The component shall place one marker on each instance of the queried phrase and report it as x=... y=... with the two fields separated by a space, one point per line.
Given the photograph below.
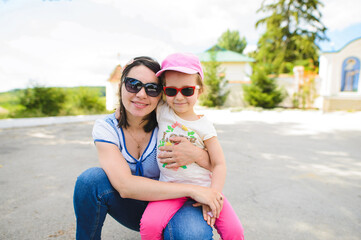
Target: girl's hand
x=182 y=153
x=117 y=113
x=210 y=197
x=207 y=214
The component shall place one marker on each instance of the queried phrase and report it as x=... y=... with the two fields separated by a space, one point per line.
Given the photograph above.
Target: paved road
x=286 y=179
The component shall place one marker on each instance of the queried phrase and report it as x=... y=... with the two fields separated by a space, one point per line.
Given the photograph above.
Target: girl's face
x=140 y=104
x=182 y=105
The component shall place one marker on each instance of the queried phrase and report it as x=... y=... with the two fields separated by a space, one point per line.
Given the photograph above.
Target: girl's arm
x=218 y=163
x=142 y=188
x=218 y=174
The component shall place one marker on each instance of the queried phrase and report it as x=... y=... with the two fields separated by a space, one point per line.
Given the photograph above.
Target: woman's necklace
x=135 y=140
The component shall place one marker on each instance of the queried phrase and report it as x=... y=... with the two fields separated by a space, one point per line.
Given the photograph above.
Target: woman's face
x=140 y=104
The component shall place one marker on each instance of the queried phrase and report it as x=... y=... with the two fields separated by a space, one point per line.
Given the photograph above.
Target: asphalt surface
x=288 y=178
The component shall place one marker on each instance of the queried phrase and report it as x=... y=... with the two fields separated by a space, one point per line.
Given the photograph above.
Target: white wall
x=237 y=71
x=112 y=99
x=330 y=70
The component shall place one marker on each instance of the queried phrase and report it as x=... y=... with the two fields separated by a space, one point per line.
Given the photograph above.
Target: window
x=350 y=74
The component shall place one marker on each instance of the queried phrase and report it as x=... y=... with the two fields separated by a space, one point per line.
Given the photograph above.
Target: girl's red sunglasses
x=185 y=91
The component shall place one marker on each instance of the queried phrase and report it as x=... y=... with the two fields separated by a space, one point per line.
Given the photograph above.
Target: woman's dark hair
x=154 y=66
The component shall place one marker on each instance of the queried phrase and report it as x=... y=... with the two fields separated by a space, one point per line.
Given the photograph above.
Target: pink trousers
x=157 y=215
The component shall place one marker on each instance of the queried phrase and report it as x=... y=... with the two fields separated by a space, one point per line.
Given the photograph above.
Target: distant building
x=340 y=78
x=112 y=88
x=237 y=69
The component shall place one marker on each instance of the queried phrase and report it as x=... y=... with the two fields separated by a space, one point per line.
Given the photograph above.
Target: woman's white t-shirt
x=107 y=130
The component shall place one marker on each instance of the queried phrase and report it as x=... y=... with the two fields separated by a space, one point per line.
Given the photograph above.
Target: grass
x=9 y=103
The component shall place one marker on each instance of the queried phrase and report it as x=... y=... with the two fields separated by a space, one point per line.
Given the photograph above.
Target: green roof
x=223 y=55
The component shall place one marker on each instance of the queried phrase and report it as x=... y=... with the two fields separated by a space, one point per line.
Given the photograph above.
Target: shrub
x=42 y=100
x=39 y=101
x=306 y=94
x=89 y=100
x=263 y=91
x=215 y=94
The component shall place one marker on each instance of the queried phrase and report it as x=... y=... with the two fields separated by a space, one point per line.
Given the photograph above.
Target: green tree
x=292 y=30
x=231 y=40
x=215 y=83
x=263 y=91
x=88 y=99
x=40 y=100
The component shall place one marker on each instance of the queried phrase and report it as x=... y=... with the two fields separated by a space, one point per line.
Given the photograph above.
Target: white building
x=112 y=89
x=340 y=78
x=237 y=69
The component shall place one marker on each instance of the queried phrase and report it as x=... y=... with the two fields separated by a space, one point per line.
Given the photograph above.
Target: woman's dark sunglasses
x=185 y=91
x=133 y=85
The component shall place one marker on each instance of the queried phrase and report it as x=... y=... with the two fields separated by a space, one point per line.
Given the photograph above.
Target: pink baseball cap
x=181 y=62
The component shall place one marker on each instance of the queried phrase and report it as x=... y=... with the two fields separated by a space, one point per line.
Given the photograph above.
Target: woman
x=126 y=180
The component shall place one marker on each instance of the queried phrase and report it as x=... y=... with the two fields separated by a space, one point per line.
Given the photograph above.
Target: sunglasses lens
x=133 y=85
x=189 y=91
x=152 y=89
x=170 y=92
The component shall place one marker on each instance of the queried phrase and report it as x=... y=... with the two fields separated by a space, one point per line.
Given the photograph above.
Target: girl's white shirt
x=197 y=131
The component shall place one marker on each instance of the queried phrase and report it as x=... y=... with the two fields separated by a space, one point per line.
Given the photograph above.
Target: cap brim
x=177 y=69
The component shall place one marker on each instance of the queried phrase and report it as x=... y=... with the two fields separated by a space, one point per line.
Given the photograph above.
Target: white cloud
x=66 y=43
x=72 y=54
x=250 y=48
x=338 y=15
x=190 y=23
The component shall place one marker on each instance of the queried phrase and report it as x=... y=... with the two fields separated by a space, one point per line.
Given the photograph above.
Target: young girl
x=182 y=77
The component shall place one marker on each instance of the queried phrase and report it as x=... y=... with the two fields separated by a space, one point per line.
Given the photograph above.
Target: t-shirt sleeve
x=105 y=132
x=211 y=131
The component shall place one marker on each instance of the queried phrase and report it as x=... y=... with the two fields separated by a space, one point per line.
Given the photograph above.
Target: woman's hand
x=183 y=153
x=210 y=197
x=177 y=155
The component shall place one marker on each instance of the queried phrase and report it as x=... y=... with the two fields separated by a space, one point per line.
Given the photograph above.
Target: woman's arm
x=218 y=163
x=141 y=188
x=183 y=153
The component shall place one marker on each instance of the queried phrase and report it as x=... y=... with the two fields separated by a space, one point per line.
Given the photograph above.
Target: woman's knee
x=194 y=230
x=91 y=175
x=188 y=223
x=89 y=180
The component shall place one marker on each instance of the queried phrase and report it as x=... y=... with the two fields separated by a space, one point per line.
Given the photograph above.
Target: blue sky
x=340 y=38
x=79 y=42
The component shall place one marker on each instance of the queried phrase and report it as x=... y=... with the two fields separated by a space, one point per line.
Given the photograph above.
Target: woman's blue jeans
x=94 y=197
